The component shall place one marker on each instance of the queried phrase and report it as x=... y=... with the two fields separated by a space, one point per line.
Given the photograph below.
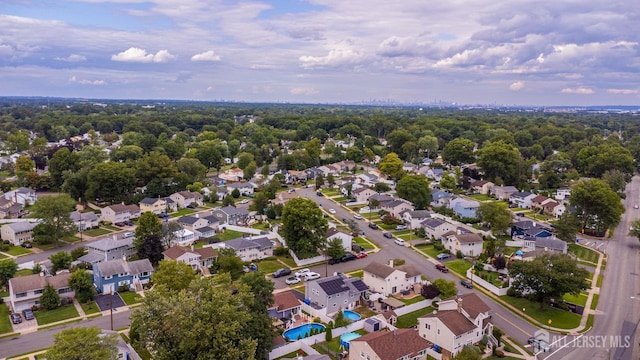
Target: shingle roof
x=140 y=266
x=432 y=223
x=473 y=305
x=188 y=220
x=249 y=243
x=454 y=321
x=174 y=252
x=119 y=266
x=110 y=243
x=285 y=301
x=85 y=216
x=551 y=244
x=409 y=269
x=149 y=201
x=394 y=344
x=22 y=226
x=469 y=238
x=207 y=252
x=230 y=210
x=522 y=195
x=420 y=214
x=379 y=269
x=27 y=283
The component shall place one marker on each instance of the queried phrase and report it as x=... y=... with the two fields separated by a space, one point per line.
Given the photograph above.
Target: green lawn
x=402 y=232
x=386 y=227
x=111 y=227
x=584 y=253
x=71 y=239
x=23 y=272
x=46 y=246
x=559 y=318
x=357 y=273
x=460 y=266
x=269 y=265
x=409 y=237
x=339 y=199
x=594 y=301
x=481 y=197
x=229 y=235
x=411 y=319
x=599 y=281
x=578 y=300
x=182 y=212
x=362 y=242
x=5 y=322
x=17 y=251
x=96 y=232
x=130 y=297
x=331 y=192
x=429 y=249
x=90 y=308
x=50 y=316
x=412 y=300
x=3 y=256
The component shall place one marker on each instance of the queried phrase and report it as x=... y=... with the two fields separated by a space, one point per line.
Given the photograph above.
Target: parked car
x=466 y=283
x=388 y=235
x=191 y=206
x=281 y=272
x=16 y=318
x=539 y=344
x=442 y=268
x=334 y=261
x=28 y=314
x=333 y=211
x=399 y=242
x=361 y=255
x=244 y=201
x=26 y=245
x=302 y=272
x=128 y=222
x=121 y=224
x=357 y=217
x=635 y=206
x=319 y=193
x=401 y=227
x=443 y=256
x=292 y=280
x=373 y=226
x=357 y=248
x=348 y=257
x=311 y=276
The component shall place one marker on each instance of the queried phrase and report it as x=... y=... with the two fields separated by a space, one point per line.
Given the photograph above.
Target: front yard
x=362 y=242
x=583 y=253
x=130 y=297
x=17 y=251
x=182 y=212
x=96 y=232
x=428 y=249
x=90 y=308
x=559 y=318
x=460 y=266
x=5 y=322
x=59 y=314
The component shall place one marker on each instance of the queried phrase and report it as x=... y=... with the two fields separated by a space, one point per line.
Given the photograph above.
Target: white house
x=522 y=199
x=389 y=280
x=17 y=233
x=396 y=207
x=436 y=228
x=248 y=249
x=469 y=244
x=119 y=213
x=23 y=196
x=85 y=220
x=345 y=239
x=413 y=219
x=183 y=237
x=461 y=321
x=198 y=259
x=562 y=194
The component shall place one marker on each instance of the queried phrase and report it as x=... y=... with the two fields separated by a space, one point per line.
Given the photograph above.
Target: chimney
x=459 y=305
x=391 y=262
x=197 y=216
x=192 y=247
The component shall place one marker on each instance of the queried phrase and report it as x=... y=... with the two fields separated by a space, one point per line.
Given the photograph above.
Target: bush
x=4 y=247
x=459 y=254
x=123 y=288
x=398 y=262
x=281 y=251
x=438 y=246
x=499 y=353
x=512 y=292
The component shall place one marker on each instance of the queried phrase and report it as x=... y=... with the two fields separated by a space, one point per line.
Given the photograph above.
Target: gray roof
x=420 y=214
x=22 y=226
x=230 y=210
x=551 y=244
x=521 y=195
x=149 y=201
x=248 y=243
x=379 y=269
x=393 y=203
x=205 y=229
x=188 y=220
x=432 y=223
x=211 y=219
x=91 y=258
x=119 y=266
x=140 y=266
x=241 y=185
x=381 y=197
x=110 y=243
x=27 y=283
x=85 y=216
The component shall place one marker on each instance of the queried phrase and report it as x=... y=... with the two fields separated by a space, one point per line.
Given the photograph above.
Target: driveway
x=104 y=301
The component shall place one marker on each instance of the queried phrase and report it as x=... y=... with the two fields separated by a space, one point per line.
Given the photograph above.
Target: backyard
x=228 y=234
x=411 y=319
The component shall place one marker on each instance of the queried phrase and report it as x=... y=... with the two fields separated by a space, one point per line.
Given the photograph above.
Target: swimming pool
x=351 y=315
x=302 y=331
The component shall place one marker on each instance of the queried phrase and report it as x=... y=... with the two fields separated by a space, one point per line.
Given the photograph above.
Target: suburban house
x=119 y=213
x=460 y=321
x=110 y=275
x=389 y=316
x=231 y=215
x=549 y=244
x=23 y=196
x=367 y=179
x=562 y=194
x=436 y=228
x=84 y=220
x=283 y=197
x=17 y=233
x=469 y=244
x=522 y=199
x=557 y=211
x=10 y=209
x=335 y=293
x=286 y=304
x=440 y=197
x=183 y=237
x=345 y=239
x=389 y=280
x=362 y=194
x=198 y=259
x=529 y=228
x=503 y=192
x=396 y=207
x=248 y=249
x=232 y=175
x=25 y=291
x=383 y=345
x=199 y=225
x=538 y=202
x=125 y=351
x=185 y=199
x=464 y=208
x=434 y=174
x=380 y=198
x=414 y=218
x=481 y=186
x=109 y=248
x=155 y=205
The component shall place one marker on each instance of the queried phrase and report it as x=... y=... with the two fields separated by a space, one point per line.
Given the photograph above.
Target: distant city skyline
x=324 y=51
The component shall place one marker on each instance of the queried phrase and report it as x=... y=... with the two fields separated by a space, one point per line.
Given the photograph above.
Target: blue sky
x=514 y=52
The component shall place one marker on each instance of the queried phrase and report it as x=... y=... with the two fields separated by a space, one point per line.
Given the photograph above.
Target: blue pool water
x=346 y=338
x=301 y=331
x=351 y=315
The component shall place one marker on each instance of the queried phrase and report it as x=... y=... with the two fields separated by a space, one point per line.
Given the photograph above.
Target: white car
x=311 y=276
x=635 y=206
x=333 y=211
x=302 y=272
x=292 y=280
x=244 y=201
x=399 y=241
x=357 y=217
x=401 y=227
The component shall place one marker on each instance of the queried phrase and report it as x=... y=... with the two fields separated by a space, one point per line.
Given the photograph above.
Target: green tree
x=331 y=180
x=262 y=289
x=18 y=141
x=110 y=182
x=8 y=269
x=567 y=227
x=448 y=182
x=148 y=238
x=547 y=276
x=81 y=282
x=458 y=151
x=83 y=343
x=244 y=159
x=235 y=193
x=428 y=145
x=60 y=260
x=155 y=166
x=498 y=216
x=468 y=352
x=391 y=165
x=229 y=200
x=193 y=168
x=319 y=181
x=260 y=203
x=173 y=275
x=597 y=207
x=633 y=231
x=78 y=252
x=49 y=298
x=616 y=179
x=447 y=288
x=42 y=234
x=24 y=165
x=249 y=171
x=211 y=300
x=335 y=249
x=61 y=161
x=381 y=187
x=228 y=262
x=500 y=160
x=415 y=188
x=303 y=226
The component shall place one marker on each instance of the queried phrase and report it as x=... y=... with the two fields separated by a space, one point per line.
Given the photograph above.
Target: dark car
x=128 y=222
x=26 y=245
x=333 y=261
x=28 y=314
x=357 y=248
x=319 y=193
x=442 y=268
x=348 y=257
x=388 y=235
x=373 y=226
x=281 y=272
x=467 y=284
x=16 y=318
x=121 y=224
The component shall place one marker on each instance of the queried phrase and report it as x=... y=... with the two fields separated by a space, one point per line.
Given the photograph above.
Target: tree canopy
x=597 y=207
x=415 y=188
x=173 y=275
x=54 y=212
x=83 y=343
x=303 y=227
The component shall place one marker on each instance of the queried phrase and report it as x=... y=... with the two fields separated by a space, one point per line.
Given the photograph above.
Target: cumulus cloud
x=74 y=79
x=206 y=56
x=303 y=91
x=134 y=54
x=623 y=91
x=518 y=85
x=72 y=58
x=581 y=90
x=337 y=57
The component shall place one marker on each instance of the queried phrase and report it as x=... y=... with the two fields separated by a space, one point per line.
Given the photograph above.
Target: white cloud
x=303 y=91
x=74 y=79
x=518 y=85
x=134 y=54
x=72 y=58
x=579 y=90
x=623 y=91
x=337 y=57
x=206 y=56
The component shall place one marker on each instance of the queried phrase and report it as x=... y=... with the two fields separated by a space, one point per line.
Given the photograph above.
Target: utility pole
x=111 y=307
